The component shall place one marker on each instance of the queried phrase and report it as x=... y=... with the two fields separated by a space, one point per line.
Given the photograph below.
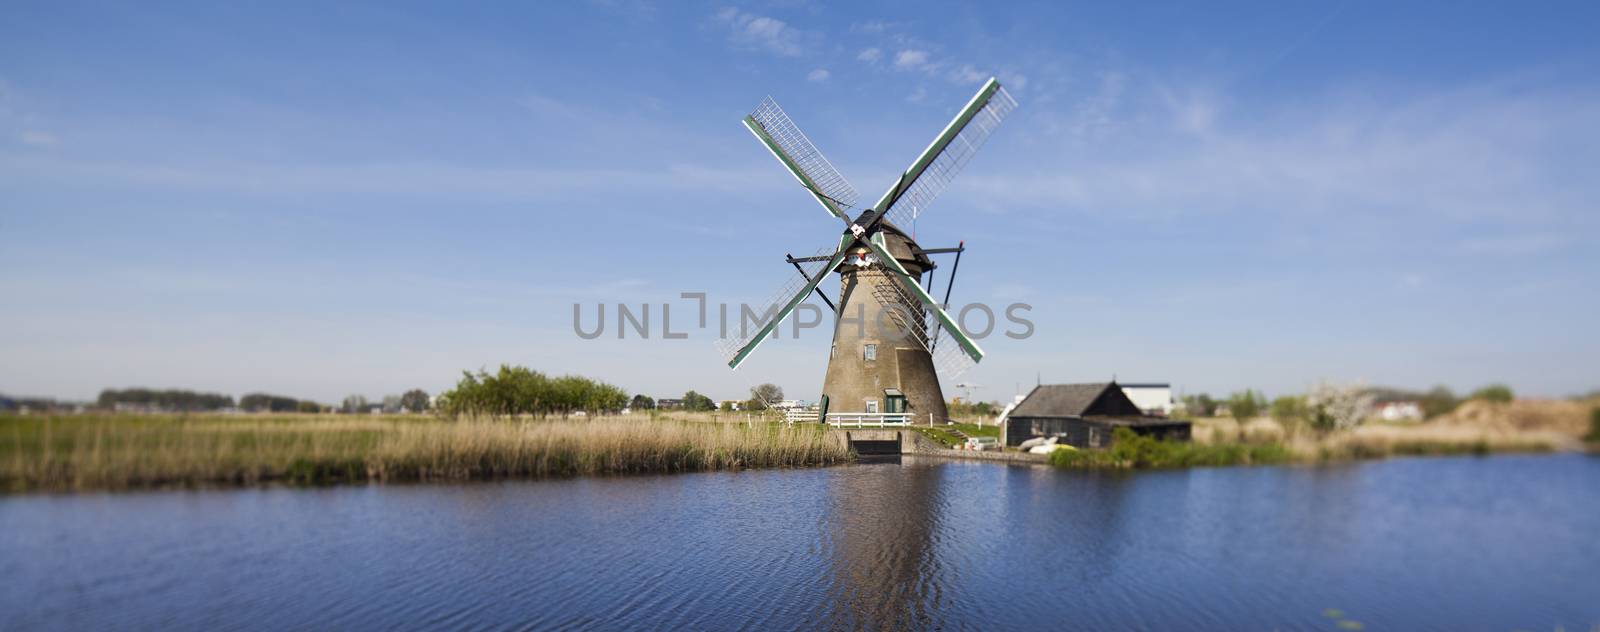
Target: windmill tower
x=886 y=356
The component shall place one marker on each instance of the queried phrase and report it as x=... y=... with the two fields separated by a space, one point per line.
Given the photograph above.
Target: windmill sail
x=791 y=147
x=909 y=314
x=909 y=283
x=911 y=193
x=951 y=150
x=742 y=338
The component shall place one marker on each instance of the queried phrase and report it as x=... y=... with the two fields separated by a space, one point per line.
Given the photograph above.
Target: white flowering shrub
x=1332 y=407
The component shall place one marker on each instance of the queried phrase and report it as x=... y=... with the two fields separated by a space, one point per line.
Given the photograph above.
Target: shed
x=1084 y=416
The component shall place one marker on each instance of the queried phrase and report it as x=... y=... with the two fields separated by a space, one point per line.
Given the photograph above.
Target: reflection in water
x=881 y=526
x=1497 y=543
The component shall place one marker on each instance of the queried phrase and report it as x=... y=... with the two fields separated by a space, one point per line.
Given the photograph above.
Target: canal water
x=1498 y=543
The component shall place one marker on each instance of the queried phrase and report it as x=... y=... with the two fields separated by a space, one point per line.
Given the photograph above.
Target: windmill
x=887 y=326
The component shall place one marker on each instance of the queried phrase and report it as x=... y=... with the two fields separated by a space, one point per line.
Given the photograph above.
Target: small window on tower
x=870 y=352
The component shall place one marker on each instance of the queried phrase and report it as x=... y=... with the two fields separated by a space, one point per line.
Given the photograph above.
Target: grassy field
x=1476 y=428
x=942 y=434
x=84 y=452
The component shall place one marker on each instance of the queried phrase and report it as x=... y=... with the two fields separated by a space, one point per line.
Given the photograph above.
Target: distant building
x=1398 y=411
x=1084 y=416
x=669 y=404
x=1153 y=399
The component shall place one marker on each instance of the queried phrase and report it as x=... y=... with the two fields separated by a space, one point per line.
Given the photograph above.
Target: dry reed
x=1377 y=439
x=124 y=451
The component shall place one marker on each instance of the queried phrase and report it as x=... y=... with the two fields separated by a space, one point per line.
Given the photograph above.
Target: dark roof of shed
x=1060 y=400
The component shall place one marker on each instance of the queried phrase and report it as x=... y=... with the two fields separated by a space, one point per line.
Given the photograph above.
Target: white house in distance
x=1152 y=398
x=1399 y=411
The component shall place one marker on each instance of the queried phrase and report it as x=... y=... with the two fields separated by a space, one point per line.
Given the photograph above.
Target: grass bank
x=945 y=437
x=1269 y=445
x=1130 y=450
x=87 y=452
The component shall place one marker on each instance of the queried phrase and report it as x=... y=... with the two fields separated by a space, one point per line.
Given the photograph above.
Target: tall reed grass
x=126 y=451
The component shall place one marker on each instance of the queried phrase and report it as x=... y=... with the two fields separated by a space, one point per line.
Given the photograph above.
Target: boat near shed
x=1084 y=416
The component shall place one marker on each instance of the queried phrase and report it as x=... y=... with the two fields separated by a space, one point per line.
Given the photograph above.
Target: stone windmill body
x=887 y=352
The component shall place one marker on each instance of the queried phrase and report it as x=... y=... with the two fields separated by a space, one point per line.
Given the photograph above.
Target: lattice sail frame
x=802 y=158
x=772 y=311
x=957 y=152
x=928 y=176
x=912 y=318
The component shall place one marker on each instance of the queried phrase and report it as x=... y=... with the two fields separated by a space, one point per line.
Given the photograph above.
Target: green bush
x=1133 y=450
x=517 y=390
x=1439 y=401
x=1594 y=426
x=1289 y=410
x=1246 y=405
x=1499 y=393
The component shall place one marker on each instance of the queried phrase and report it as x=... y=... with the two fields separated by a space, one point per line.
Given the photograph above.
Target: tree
x=415 y=400
x=1594 y=426
x=1200 y=405
x=696 y=402
x=642 y=402
x=1246 y=405
x=354 y=403
x=308 y=406
x=966 y=410
x=170 y=399
x=1498 y=393
x=258 y=402
x=517 y=390
x=1289 y=410
x=1333 y=407
x=1440 y=400
x=765 y=396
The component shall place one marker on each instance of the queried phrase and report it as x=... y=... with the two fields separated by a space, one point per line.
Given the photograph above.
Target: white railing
x=800 y=415
x=868 y=420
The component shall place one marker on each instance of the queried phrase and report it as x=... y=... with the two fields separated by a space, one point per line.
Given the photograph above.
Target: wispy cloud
x=759 y=32
x=871 y=26
x=1488 y=153
x=550 y=107
x=967 y=74
x=819 y=75
x=386 y=178
x=37 y=138
x=913 y=54
x=911 y=59
x=1096 y=113
x=1514 y=245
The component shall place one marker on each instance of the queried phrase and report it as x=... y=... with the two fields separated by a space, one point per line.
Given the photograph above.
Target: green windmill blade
x=783 y=303
x=881 y=251
x=804 y=161
x=950 y=151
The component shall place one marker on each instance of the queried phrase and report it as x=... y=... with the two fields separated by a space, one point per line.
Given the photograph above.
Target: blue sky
x=320 y=200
